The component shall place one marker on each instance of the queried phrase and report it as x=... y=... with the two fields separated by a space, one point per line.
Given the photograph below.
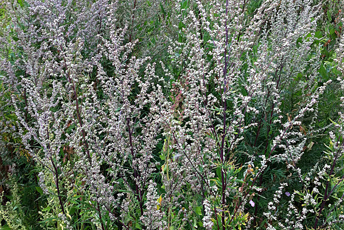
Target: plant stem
x=57 y=185
x=223 y=181
x=136 y=174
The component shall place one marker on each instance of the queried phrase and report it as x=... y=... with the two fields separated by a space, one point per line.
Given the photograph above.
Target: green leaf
x=46 y=209
x=162 y=9
x=329 y=17
x=322 y=71
x=5 y=227
x=39 y=190
x=198 y=210
x=162 y=157
x=218 y=171
x=181 y=25
x=72 y=210
x=318 y=34
x=138 y=226
x=184 y=4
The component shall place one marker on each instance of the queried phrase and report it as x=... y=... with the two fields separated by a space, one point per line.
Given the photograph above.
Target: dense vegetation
x=175 y=114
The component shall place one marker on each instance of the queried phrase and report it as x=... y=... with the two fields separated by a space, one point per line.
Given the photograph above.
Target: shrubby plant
x=212 y=132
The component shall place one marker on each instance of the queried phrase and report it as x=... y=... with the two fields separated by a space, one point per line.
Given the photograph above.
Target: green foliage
x=28 y=206
x=12 y=212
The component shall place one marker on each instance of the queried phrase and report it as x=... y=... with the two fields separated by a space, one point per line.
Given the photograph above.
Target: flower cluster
x=195 y=125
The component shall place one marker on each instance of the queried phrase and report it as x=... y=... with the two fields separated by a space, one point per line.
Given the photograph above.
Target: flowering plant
x=214 y=130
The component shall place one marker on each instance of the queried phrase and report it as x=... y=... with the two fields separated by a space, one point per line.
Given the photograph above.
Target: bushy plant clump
x=184 y=114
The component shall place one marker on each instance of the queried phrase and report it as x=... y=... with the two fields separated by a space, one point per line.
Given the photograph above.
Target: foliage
x=177 y=114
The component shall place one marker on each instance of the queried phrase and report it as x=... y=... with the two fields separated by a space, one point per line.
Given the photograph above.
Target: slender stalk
x=78 y=112
x=57 y=185
x=100 y=216
x=139 y=193
x=223 y=181
x=217 y=221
